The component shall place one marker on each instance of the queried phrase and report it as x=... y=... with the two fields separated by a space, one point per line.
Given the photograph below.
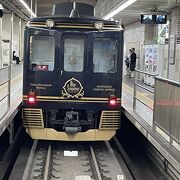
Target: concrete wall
x=150 y=34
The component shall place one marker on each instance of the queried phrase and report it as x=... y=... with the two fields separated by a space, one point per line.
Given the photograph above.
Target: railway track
x=72 y=161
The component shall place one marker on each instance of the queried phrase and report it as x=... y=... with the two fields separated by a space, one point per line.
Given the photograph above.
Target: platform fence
x=5 y=83
x=142 y=86
x=167 y=108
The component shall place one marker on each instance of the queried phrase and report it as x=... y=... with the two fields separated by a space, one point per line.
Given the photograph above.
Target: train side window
x=42 y=52
x=73 y=54
x=105 y=55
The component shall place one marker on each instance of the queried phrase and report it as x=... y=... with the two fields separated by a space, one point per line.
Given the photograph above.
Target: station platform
x=141 y=117
x=7 y=114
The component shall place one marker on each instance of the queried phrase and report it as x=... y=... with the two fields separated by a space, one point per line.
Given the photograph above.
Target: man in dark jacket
x=133 y=61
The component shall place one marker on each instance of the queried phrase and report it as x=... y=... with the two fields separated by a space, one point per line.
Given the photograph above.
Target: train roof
x=91 y=23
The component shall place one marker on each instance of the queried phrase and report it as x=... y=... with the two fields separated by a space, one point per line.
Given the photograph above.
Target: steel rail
x=47 y=166
x=95 y=163
x=28 y=167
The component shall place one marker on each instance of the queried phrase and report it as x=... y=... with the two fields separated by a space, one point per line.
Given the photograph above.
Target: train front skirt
x=34 y=123
x=52 y=134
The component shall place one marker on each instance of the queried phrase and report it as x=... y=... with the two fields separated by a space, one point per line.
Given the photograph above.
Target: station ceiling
x=132 y=13
x=127 y=16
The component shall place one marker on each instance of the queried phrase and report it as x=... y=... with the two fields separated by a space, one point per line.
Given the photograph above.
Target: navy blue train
x=72 y=75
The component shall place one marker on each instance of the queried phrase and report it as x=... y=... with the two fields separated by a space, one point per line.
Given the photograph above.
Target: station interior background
x=157 y=48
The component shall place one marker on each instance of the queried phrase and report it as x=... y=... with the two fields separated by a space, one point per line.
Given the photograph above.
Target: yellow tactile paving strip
x=142 y=96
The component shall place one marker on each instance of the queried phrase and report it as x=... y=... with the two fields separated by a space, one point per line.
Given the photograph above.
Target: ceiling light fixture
x=118 y=9
x=1 y=7
x=27 y=7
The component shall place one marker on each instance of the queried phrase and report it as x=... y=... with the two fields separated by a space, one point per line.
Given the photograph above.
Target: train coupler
x=71 y=123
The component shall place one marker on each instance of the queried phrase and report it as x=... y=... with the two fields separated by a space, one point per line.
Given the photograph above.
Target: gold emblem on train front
x=72 y=89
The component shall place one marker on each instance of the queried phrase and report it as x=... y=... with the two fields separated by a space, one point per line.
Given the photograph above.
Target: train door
x=73 y=68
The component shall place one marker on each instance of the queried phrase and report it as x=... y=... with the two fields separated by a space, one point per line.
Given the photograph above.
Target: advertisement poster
x=151 y=63
x=5 y=52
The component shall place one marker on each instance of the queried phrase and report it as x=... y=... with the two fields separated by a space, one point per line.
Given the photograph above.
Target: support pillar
x=10 y=60
x=174 y=73
x=20 y=39
x=1 y=60
x=11 y=132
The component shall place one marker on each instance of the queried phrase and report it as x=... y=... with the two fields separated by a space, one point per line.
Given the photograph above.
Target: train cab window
x=73 y=54
x=42 y=51
x=105 y=55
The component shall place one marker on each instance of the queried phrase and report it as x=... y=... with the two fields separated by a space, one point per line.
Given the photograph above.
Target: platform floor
x=141 y=116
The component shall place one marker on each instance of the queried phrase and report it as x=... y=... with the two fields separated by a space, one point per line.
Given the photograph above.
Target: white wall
x=6 y=27
x=6 y=32
x=134 y=37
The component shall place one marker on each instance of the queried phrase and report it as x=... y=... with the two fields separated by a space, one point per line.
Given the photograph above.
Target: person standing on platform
x=132 y=62
x=14 y=56
x=127 y=62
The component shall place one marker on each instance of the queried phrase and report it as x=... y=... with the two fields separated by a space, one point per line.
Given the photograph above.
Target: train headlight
x=112 y=100
x=99 y=25
x=50 y=23
x=31 y=97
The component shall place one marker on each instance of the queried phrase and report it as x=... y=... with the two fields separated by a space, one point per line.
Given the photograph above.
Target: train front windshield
x=42 y=54
x=105 y=55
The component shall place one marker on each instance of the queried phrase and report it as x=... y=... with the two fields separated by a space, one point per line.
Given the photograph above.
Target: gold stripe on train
x=87 y=25
x=69 y=100
x=62 y=98
x=106 y=27
x=57 y=23
x=74 y=24
x=80 y=27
